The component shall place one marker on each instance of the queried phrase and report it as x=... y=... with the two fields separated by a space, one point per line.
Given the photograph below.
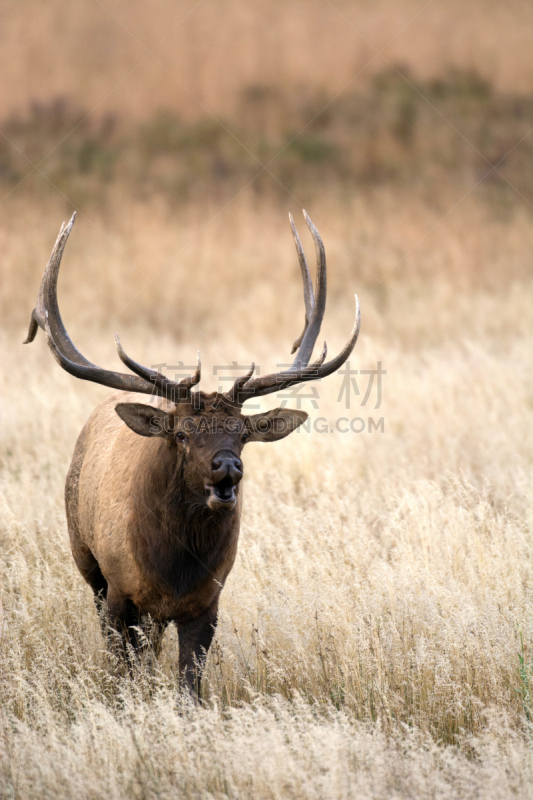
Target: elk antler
x=300 y=369
x=46 y=315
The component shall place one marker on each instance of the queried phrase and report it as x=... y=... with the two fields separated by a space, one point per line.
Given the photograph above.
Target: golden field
x=375 y=637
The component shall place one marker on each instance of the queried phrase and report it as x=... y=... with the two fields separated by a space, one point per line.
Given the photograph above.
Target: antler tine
x=307 y=282
x=238 y=386
x=162 y=385
x=90 y=372
x=346 y=351
x=144 y=372
x=301 y=370
x=322 y=357
x=46 y=315
x=315 y=371
x=37 y=319
x=283 y=380
x=195 y=378
x=309 y=372
x=47 y=300
x=305 y=351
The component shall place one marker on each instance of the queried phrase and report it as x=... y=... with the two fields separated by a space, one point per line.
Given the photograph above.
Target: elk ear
x=273 y=425
x=145 y=420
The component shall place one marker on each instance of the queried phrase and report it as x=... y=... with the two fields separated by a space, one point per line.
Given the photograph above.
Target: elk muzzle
x=226 y=473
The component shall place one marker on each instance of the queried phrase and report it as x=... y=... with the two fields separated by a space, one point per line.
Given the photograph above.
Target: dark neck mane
x=178 y=539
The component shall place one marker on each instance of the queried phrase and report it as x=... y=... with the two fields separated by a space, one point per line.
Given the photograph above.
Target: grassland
x=375 y=638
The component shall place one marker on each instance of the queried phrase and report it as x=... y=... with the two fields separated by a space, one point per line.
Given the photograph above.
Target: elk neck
x=177 y=537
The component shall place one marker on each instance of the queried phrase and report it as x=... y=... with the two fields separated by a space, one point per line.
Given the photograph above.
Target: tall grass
x=375 y=637
x=375 y=633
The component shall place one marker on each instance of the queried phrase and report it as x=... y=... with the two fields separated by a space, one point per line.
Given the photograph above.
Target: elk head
x=206 y=431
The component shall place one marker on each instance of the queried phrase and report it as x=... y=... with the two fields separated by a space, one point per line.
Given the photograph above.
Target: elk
x=153 y=494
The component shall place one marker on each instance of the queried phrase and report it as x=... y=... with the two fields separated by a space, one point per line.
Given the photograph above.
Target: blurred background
x=183 y=133
x=382 y=578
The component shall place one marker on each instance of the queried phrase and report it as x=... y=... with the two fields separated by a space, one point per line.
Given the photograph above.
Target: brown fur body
x=154 y=512
x=128 y=509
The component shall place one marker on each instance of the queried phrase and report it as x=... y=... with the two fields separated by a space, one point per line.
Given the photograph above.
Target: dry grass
x=372 y=629
x=97 y=53
x=375 y=638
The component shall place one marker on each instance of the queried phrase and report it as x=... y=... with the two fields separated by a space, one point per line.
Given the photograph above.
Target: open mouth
x=221 y=493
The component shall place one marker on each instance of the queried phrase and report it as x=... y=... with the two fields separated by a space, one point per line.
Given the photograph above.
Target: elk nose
x=227 y=466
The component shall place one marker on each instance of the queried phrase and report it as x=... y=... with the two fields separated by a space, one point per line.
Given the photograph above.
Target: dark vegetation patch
x=395 y=131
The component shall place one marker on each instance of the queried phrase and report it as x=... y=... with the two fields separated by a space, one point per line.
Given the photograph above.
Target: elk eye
x=180 y=436
x=245 y=437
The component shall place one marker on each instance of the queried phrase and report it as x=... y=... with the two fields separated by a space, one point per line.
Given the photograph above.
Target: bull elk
x=152 y=495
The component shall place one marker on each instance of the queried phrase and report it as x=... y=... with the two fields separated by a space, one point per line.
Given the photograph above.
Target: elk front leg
x=90 y=570
x=195 y=639
x=123 y=617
